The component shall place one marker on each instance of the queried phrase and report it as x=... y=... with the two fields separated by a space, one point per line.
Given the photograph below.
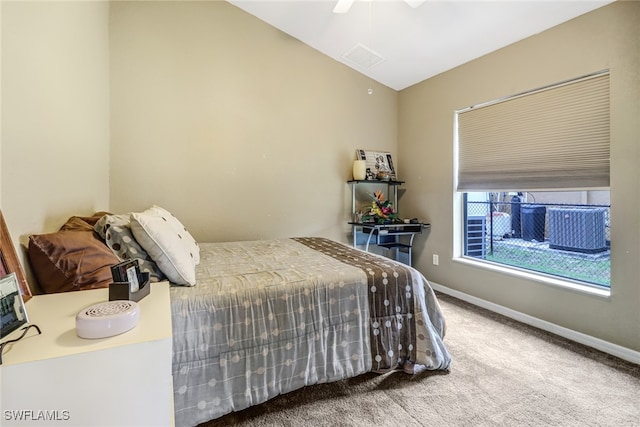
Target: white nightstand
x=124 y=380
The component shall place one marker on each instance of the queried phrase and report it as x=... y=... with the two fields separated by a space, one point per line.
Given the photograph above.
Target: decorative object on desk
x=379 y=164
x=12 y=311
x=381 y=210
x=107 y=319
x=10 y=262
x=383 y=173
x=359 y=170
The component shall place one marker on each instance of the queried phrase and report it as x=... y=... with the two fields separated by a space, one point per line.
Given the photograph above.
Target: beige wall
x=240 y=130
x=605 y=38
x=55 y=113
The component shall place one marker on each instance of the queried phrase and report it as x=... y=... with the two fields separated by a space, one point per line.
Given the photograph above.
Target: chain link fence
x=563 y=240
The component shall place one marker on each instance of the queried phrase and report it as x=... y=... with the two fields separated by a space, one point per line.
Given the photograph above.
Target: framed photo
x=127 y=271
x=12 y=311
x=9 y=262
x=377 y=162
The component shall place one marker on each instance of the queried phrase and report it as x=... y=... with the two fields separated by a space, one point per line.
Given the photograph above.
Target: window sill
x=537 y=277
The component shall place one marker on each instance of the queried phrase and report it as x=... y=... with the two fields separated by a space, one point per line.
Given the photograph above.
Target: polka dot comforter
x=271 y=316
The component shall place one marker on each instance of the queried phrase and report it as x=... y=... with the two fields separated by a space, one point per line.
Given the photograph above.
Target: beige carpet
x=504 y=374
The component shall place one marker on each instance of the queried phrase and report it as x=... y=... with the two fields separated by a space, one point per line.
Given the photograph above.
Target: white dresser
x=124 y=380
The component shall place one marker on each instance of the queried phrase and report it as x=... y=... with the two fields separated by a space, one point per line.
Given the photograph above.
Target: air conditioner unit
x=578 y=230
x=474 y=242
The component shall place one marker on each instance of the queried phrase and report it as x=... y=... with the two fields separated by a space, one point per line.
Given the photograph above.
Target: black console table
x=387 y=235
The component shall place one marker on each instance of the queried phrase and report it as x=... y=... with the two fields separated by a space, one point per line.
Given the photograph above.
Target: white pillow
x=168 y=243
x=179 y=228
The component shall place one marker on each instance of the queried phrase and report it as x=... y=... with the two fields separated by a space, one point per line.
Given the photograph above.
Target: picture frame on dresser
x=10 y=262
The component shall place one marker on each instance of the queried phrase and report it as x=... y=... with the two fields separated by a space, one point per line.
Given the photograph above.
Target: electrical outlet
x=436 y=259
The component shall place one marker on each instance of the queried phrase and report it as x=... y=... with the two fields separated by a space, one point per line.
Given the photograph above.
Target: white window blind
x=555 y=137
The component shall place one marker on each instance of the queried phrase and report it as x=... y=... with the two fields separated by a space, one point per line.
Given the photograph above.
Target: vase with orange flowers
x=381 y=210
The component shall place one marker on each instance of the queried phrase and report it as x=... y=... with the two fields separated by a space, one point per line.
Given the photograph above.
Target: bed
x=255 y=319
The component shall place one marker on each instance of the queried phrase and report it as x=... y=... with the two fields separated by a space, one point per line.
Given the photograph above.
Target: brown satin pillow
x=82 y=223
x=70 y=261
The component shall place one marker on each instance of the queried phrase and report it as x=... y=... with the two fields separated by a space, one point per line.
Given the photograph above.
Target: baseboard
x=604 y=346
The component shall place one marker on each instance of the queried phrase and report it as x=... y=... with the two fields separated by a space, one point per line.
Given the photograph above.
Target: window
x=562 y=234
x=532 y=178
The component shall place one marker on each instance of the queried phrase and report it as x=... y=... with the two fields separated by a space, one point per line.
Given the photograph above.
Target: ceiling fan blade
x=343 y=6
x=414 y=3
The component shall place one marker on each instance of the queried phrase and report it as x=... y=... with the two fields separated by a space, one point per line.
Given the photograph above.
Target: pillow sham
x=70 y=261
x=168 y=243
x=115 y=230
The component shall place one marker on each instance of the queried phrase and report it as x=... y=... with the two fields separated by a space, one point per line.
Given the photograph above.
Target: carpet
x=504 y=373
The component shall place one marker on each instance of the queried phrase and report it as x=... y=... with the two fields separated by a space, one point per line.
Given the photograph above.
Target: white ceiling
x=414 y=43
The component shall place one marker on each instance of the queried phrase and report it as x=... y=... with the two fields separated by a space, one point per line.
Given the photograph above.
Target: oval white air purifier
x=107 y=319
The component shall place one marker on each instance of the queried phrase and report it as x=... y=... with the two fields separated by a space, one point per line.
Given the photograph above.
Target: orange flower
x=381 y=210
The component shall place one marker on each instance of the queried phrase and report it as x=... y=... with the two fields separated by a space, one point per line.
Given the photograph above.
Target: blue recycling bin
x=533 y=221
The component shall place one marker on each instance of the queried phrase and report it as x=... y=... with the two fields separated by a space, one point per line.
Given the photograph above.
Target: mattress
x=268 y=317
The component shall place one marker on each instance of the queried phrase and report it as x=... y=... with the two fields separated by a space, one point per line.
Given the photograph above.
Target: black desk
x=383 y=231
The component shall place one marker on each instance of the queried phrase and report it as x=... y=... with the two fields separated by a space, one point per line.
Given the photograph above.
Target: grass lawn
x=590 y=268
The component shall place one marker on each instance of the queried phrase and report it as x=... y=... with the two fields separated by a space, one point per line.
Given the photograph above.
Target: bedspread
x=268 y=317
